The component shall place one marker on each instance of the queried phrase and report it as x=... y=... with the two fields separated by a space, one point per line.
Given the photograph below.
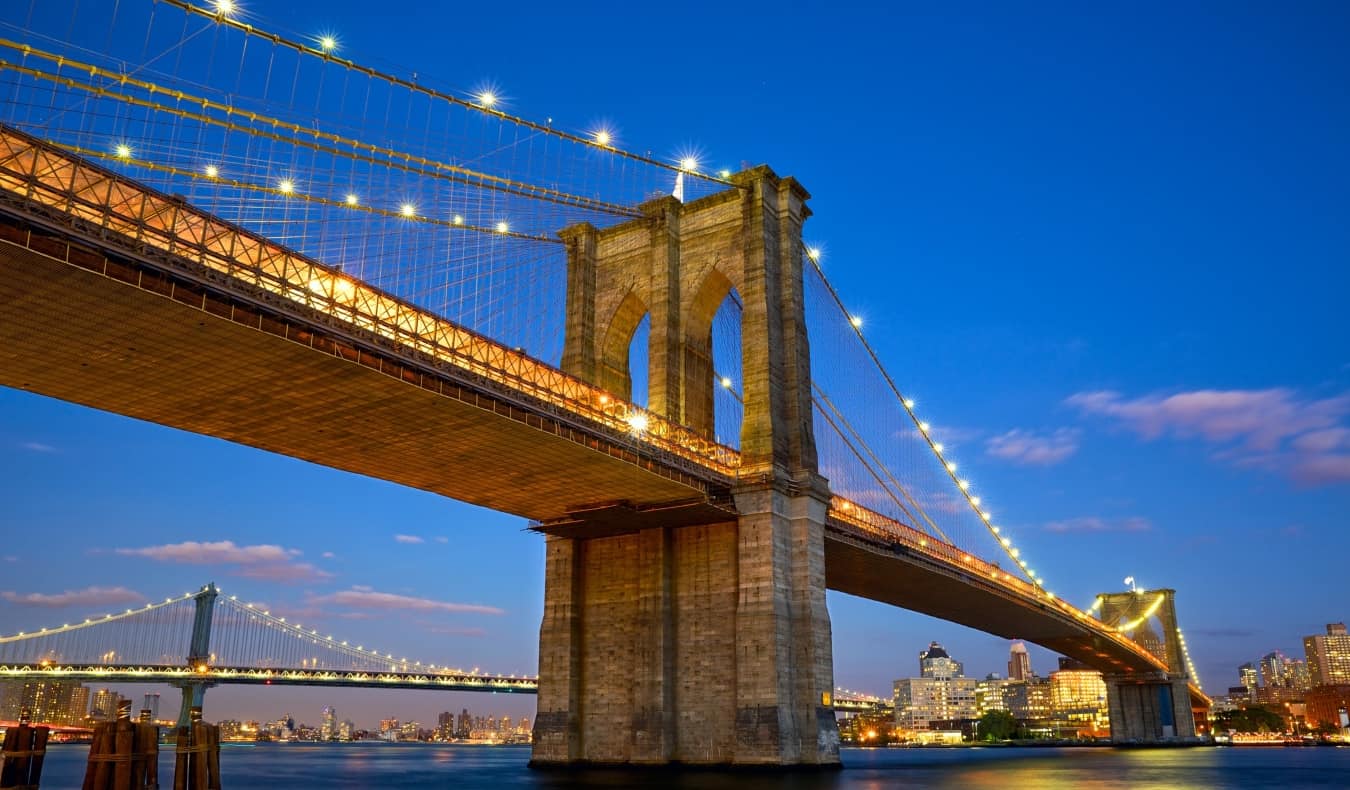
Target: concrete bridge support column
x=705 y=644
x=1149 y=711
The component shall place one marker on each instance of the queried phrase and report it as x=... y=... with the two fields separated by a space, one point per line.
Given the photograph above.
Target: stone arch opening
x=617 y=350
x=712 y=359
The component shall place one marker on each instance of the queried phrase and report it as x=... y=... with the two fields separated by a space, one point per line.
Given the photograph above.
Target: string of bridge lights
x=814 y=254
x=487 y=99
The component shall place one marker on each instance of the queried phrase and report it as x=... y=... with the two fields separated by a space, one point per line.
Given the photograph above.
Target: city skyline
x=1063 y=268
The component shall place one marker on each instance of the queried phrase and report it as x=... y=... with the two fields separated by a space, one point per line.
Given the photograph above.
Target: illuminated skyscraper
x=935 y=663
x=1250 y=679
x=1328 y=656
x=1272 y=670
x=941 y=694
x=1019 y=662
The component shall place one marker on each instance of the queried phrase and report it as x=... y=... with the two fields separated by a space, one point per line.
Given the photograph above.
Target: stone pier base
x=1150 y=712
x=705 y=645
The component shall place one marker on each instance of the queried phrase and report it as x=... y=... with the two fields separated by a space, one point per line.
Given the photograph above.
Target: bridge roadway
x=127 y=300
x=268 y=676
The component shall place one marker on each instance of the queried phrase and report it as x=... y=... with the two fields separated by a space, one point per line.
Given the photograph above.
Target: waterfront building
x=1019 y=662
x=105 y=704
x=990 y=694
x=464 y=725
x=328 y=727
x=1029 y=702
x=47 y=701
x=1078 y=703
x=1328 y=705
x=1328 y=656
x=941 y=693
x=151 y=703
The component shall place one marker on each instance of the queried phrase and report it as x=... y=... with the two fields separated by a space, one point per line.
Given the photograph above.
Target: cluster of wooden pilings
x=25 y=748
x=125 y=755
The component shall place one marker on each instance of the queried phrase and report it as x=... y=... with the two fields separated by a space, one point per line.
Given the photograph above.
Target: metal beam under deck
x=96 y=327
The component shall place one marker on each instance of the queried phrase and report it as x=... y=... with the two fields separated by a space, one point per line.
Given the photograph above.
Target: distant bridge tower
x=1147 y=710
x=199 y=652
x=695 y=632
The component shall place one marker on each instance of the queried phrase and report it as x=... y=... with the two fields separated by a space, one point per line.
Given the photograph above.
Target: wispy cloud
x=38 y=447
x=89 y=596
x=262 y=561
x=1034 y=449
x=328 y=555
x=452 y=631
x=366 y=598
x=442 y=539
x=1099 y=524
x=409 y=539
x=1273 y=429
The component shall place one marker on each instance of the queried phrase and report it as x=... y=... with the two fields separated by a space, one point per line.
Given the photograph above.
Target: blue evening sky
x=1106 y=248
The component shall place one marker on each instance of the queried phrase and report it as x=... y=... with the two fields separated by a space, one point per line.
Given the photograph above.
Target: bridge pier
x=1149 y=712
x=705 y=644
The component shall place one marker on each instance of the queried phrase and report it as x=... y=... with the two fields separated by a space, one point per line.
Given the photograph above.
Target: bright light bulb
x=352 y=200
x=964 y=484
x=937 y=448
x=458 y=220
x=603 y=137
x=985 y=515
x=212 y=171
x=408 y=210
x=487 y=98
x=726 y=382
x=1014 y=552
x=225 y=7
x=813 y=253
x=951 y=466
x=286 y=186
x=638 y=422
x=123 y=151
x=856 y=321
x=689 y=163
x=909 y=403
x=724 y=174
x=975 y=500
x=502 y=227
x=1006 y=543
x=328 y=43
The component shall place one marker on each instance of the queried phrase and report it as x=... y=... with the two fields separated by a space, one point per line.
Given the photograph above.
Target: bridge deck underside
x=892 y=575
x=74 y=334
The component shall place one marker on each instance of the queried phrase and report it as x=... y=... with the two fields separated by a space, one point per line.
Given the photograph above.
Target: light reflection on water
x=418 y=766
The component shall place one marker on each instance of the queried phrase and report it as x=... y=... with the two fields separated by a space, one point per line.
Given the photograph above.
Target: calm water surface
x=378 y=765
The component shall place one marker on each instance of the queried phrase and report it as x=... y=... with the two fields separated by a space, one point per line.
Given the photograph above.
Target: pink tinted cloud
x=264 y=561
x=89 y=596
x=1029 y=448
x=365 y=598
x=218 y=553
x=1275 y=429
x=1099 y=524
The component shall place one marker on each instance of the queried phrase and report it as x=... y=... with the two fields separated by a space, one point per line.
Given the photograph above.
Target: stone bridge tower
x=1149 y=710
x=696 y=642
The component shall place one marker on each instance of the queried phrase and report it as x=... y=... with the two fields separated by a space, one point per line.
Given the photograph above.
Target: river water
x=297 y=766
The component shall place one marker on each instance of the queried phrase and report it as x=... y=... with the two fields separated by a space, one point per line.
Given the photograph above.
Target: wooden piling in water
x=197 y=760
x=124 y=754
x=21 y=756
